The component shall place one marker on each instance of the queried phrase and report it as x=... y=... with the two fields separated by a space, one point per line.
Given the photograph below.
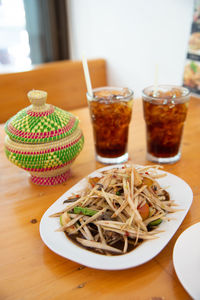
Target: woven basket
x=44 y=140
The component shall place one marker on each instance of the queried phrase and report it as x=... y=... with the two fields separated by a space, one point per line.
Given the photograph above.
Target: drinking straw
x=87 y=77
x=155 y=90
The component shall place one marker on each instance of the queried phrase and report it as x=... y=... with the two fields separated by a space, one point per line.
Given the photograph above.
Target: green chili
x=84 y=211
x=118 y=193
x=155 y=222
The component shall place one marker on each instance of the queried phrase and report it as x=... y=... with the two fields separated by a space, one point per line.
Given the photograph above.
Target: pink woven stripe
x=47 y=150
x=42 y=135
x=49 y=169
x=42 y=113
x=51 y=180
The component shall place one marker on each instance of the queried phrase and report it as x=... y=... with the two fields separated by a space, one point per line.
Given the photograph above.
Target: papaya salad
x=117 y=210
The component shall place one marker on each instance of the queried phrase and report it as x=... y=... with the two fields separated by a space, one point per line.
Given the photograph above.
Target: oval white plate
x=186 y=259
x=57 y=241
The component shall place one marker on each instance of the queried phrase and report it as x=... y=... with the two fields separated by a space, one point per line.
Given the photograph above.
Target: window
x=14 y=42
x=32 y=32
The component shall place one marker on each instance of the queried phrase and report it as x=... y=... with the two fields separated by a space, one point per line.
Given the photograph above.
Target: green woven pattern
x=46 y=160
x=25 y=123
x=58 y=119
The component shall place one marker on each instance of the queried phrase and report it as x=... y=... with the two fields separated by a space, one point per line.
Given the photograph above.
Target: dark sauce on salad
x=118 y=245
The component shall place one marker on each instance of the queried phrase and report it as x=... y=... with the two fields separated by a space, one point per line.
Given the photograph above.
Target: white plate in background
x=186 y=259
x=179 y=191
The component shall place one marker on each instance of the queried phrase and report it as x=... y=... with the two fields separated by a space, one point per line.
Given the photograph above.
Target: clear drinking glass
x=110 y=111
x=165 y=110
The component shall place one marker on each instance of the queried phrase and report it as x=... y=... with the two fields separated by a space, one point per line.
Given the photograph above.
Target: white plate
x=57 y=241
x=186 y=259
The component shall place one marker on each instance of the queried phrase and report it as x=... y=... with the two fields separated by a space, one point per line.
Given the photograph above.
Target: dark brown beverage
x=110 y=112
x=165 y=114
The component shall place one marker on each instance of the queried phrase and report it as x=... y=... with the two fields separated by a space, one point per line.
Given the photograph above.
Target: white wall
x=133 y=36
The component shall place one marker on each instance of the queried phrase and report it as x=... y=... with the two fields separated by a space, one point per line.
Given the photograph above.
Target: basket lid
x=40 y=122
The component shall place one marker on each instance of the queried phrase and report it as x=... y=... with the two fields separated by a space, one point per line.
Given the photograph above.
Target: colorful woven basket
x=44 y=140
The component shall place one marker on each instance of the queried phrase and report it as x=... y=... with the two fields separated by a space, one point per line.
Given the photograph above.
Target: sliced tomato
x=144 y=211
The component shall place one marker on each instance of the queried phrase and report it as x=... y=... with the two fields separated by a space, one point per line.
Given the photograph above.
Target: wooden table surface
x=29 y=270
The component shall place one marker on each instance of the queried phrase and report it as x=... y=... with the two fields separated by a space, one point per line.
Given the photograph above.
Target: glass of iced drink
x=110 y=111
x=165 y=111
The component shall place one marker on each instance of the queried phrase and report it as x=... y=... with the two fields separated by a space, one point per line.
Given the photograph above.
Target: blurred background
x=132 y=35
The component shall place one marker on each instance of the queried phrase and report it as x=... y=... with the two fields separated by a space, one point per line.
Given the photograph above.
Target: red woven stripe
x=41 y=135
x=40 y=114
x=47 y=150
x=51 y=180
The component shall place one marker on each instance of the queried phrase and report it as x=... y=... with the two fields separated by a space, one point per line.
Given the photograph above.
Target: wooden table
x=29 y=270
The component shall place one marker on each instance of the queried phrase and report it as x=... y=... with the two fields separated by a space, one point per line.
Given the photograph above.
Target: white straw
x=87 y=76
x=155 y=81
